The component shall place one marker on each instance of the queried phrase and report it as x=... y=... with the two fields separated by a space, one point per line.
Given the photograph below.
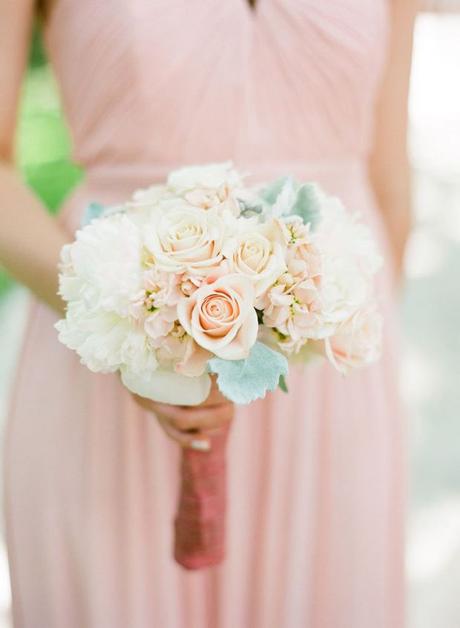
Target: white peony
x=106 y=342
x=102 y=267
x=149 y=196
x=136 y=353
x=344 y=289
x=349 y=261
x=207 y=176
x=340 y=234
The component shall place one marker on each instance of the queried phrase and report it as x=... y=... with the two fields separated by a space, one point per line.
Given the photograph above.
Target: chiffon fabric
x=316 y=477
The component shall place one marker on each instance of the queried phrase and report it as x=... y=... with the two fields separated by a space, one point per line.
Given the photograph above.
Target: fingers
x=145 y=403
x=199 y=418
x=215 y=399
x=194 y=440
x=191 y=426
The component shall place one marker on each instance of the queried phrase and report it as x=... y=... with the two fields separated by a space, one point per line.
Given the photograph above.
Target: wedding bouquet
x=203 y=276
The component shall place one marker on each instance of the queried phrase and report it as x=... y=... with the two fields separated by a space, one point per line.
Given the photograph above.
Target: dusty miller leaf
x=92 y=211
x=308 y=204
x=243 y=381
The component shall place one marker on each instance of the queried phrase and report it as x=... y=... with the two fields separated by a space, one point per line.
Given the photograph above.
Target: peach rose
x=220 y=316
x=357 y=341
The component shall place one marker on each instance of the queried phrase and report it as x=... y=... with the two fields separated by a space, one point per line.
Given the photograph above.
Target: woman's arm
x=30 y=239
x=389 y=164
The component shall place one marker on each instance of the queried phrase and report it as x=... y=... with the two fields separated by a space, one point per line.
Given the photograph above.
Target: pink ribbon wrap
x=200 y=519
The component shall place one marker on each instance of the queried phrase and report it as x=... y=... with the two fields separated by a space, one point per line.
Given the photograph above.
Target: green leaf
x=282 y=384
x=243 y=381
x=270 y=193
x=250 y=210
x=308 y=204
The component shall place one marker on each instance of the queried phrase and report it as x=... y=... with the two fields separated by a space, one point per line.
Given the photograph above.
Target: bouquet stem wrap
x=200 y=519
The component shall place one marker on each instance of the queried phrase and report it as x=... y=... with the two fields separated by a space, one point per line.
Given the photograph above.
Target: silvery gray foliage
x=286 y=197
x=248 y=209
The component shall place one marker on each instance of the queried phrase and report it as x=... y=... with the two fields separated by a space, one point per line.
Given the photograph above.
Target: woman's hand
x=191 y=426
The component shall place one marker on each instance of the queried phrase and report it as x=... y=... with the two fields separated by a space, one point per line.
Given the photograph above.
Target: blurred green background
x=42 y=139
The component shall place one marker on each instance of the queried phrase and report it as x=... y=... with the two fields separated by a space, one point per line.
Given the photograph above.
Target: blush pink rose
x=357 y=341
x=220 y=316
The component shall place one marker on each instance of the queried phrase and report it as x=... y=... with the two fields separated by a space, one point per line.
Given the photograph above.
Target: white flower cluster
x=202 y=267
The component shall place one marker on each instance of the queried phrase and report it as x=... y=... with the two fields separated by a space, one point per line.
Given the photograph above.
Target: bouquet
x=202 y=277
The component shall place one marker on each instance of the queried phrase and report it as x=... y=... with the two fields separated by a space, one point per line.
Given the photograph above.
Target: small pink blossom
x=161 y=288
x=293 y=303
x=159 y=324
x=180 y=352
x=160 y=291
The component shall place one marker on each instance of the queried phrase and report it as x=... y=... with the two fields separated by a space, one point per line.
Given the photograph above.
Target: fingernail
x=200 y=445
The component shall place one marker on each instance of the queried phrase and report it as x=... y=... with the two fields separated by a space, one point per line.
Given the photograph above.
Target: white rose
x=255 y=256
x=185 y=239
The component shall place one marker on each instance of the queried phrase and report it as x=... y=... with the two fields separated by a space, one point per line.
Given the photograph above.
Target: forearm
x=389 y=166
x=30 y=239
x=392 y=186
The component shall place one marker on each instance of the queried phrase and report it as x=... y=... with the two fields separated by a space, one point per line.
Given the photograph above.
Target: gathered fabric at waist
x=142 y=174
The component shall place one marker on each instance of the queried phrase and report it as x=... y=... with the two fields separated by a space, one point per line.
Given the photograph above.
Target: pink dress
x=315 y=521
